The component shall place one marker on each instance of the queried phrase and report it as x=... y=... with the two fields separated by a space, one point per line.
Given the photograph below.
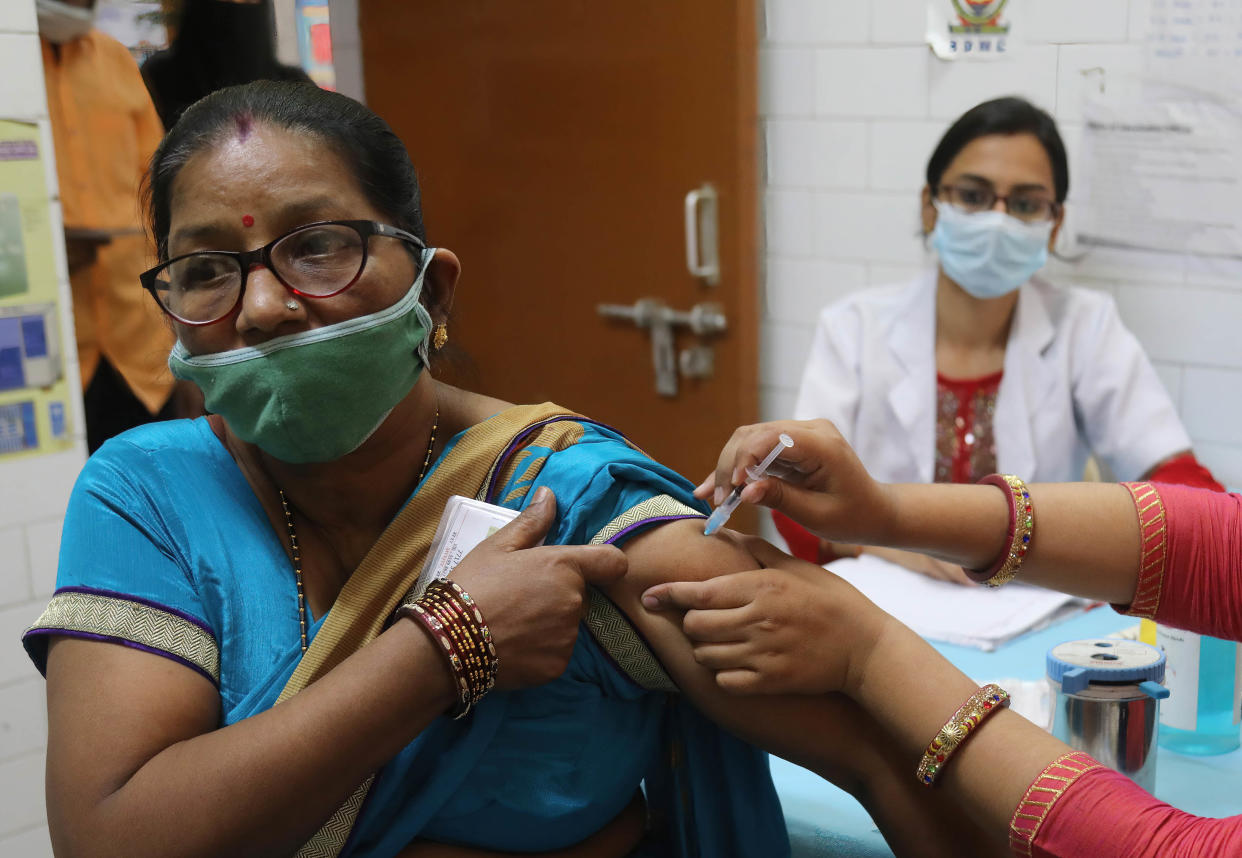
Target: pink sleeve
x=1190 y=572
x=1078 y=807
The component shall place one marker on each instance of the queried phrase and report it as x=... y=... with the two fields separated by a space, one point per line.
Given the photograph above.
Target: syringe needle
x=721 y=514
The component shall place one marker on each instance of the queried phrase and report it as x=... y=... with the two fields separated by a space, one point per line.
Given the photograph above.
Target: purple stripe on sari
x=520 y=438
x=72 y=633
x=612 y=540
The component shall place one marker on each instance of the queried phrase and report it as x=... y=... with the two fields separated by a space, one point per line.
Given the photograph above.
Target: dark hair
x=1008 y=115
x=373 y=152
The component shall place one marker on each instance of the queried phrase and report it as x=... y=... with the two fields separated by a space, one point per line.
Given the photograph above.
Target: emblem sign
x=968 y=28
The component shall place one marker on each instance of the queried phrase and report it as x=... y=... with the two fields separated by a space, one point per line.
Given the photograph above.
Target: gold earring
x=440 y=336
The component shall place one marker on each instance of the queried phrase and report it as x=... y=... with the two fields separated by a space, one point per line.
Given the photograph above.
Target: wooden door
x=555 y=144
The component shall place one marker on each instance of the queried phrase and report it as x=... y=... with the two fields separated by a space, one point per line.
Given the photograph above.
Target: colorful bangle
x=435 y=628
x=451 y=617
x=1018 y=537
x=957 y=730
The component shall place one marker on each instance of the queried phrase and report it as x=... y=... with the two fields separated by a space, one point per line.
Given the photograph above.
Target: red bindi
x=247 y=220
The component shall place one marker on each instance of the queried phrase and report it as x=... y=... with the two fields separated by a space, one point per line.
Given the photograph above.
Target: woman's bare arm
x=136 y=765
x=829 y=734
x=1085 y=541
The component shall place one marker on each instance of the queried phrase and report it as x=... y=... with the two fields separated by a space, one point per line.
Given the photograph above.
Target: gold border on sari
x=139 y=623
x=608 y=625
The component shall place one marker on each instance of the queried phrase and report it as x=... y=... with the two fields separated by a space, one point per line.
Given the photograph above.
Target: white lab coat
x=1076 y=382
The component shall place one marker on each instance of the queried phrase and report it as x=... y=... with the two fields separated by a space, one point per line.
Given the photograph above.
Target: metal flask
x=1106 y=703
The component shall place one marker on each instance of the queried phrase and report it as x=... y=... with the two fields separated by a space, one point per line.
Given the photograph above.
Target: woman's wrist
x=437 y=685
x=871 y=634
x=961 y=524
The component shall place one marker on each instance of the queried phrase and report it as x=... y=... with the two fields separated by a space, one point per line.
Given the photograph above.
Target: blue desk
x=824 y=821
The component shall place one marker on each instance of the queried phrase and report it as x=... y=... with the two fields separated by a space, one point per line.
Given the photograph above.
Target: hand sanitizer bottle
x=1203 y=714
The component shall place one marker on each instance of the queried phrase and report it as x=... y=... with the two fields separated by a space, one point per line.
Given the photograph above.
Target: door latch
x=705 y=320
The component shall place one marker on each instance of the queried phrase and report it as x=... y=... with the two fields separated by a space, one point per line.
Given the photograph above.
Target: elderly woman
x=274 y=686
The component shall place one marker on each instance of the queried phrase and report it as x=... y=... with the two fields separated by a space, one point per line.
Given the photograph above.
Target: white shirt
x=1076 y=382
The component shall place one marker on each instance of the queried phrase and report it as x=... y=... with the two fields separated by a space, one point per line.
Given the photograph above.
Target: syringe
x=756 y=472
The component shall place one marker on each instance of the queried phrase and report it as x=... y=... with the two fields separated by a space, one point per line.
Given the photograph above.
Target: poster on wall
x=1197 y=43
x=34 y=393
x=1162 y=172
x=969 y=29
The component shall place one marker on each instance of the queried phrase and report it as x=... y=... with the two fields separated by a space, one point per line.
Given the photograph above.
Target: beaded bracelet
x=1018 y=537
x=436 y=629
x=468 y=629
x=957 y=730
x=451 y=617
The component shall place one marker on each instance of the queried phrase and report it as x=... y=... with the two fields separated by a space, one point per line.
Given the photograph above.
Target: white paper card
x=465 y=523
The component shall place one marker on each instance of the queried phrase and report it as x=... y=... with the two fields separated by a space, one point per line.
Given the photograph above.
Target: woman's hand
x=818 y=482
x=533 y=597
x=791 y=627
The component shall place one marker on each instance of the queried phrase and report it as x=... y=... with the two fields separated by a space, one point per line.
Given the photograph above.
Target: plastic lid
x=1075 y=664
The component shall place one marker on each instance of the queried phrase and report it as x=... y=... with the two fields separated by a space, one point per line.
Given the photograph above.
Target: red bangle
x=435 y=628
x=451 y=617
x=1018 y=536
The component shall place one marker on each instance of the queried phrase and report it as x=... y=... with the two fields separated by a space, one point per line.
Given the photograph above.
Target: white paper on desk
x=979 y=617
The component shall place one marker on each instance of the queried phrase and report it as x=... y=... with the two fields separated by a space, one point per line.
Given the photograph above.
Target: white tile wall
x=868 y=227
x=30 y=843
x=1212 y=403
x=824 y=72
x=787 y=222
x=816 y=22
x=786 y=82
x=817 y=153
x=898 y=22
x=32 y=503
x=1072 y=21
x=874 y=81
x=18 y=17
x=889 y=166
x=808 y=283
x=21 y=93
x=14 y=584
x=1029 y=71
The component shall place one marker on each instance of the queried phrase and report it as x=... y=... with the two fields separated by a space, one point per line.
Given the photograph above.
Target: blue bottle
x=1203 y=714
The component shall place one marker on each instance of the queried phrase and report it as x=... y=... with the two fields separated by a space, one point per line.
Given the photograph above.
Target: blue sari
x=166 y=549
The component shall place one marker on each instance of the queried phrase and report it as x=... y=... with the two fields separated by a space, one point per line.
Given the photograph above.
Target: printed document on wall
x=1164 y=173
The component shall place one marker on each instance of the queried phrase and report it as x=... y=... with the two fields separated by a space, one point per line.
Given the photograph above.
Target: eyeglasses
x=1028 y=206
x=317 y=260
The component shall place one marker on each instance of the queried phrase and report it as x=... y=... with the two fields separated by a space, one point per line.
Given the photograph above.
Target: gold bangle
x=957 y=730
x=1018 y=537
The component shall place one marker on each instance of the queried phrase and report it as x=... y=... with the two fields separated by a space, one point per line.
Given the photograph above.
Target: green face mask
x=316 y=395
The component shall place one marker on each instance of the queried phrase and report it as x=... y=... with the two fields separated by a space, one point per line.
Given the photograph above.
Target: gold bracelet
x=1018 y=538
x=957 y=730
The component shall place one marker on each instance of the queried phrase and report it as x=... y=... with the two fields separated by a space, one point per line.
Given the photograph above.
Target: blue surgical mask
x=314 y=396
x=991 y=253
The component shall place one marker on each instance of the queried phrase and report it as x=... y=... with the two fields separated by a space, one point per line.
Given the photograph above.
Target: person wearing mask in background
x=218 y=43
x=980 y=365
x=105 y=130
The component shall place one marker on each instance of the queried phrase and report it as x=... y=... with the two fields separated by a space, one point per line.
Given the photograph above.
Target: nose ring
x=291 y=304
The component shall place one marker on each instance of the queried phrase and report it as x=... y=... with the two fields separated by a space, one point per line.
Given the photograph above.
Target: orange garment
x=105 y=130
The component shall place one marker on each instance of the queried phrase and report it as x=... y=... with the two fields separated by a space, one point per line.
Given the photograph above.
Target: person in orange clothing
x=105 y=129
